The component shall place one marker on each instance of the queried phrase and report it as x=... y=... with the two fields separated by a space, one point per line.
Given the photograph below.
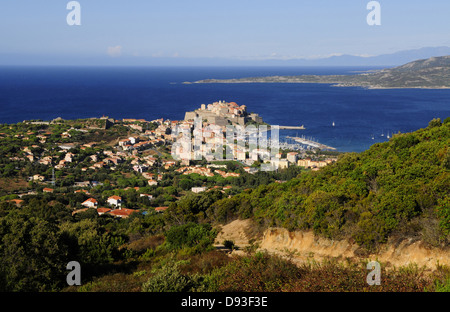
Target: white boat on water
x=333 y=124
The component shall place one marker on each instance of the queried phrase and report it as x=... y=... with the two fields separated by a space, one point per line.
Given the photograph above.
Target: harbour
x=292 y=127
x=308 y=142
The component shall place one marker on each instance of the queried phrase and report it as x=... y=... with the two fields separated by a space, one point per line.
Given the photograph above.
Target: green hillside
x=395 y=189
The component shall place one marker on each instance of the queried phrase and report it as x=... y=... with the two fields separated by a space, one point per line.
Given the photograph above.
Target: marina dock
x=311 y=143
x=292 y=127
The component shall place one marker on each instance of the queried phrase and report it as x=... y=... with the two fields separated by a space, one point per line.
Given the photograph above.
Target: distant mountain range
x=385 y=60
x=393 y=59
x=432 y=73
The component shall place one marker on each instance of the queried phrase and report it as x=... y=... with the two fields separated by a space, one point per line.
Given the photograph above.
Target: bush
x=169 y=279
x=146 y=256
x=442 y=286
x=443 y=211
x=260 y=272
x=206 y=262
x=228 y=244
x=33 y=254
x=436 y=122
x=332 y=276
x=191 y=235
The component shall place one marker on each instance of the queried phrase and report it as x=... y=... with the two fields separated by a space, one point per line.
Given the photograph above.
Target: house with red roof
x=161 y=209
x=81 y=191
x=122 y=212
x=147 y=195
x=90 y=203
x=115 y=201
x=101 y=211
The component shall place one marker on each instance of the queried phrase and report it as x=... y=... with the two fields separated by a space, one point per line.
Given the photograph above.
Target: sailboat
x=388 y=135
x=373 y=138
x=333 y=124
x=382 y=133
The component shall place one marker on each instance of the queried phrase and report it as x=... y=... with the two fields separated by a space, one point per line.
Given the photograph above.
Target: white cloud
x=114 y=51
x=322 y=56
x=364 y=55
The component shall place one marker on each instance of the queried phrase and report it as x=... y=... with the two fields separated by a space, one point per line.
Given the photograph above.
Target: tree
x=33 y=254
x=434 y=123
x=185 y=184
x=91 y=243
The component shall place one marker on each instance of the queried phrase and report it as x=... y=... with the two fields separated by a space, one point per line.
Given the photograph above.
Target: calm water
x=150 y=93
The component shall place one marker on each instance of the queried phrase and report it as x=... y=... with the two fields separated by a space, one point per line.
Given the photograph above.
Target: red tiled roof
x=18 y=202
x=118 y=213
x=91 y=200
x=161 y=208
x=124 y=212
x=128 y=210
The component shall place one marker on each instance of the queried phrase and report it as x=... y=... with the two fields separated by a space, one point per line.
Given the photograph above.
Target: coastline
x=433 y=73
x=333 y=84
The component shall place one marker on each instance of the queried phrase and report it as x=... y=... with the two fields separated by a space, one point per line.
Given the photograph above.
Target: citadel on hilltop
x=223 y=113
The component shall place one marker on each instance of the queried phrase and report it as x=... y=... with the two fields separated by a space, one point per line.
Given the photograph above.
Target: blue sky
x=244 y=29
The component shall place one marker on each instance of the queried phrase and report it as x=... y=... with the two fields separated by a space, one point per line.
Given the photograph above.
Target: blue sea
x=362 y=117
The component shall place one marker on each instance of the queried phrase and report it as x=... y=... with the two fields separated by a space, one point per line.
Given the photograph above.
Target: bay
x=361 y=117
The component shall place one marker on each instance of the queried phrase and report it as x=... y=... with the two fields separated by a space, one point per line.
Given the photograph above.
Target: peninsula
x=432 y=73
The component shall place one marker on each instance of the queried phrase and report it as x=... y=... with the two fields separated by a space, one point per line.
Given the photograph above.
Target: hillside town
x=84 y=155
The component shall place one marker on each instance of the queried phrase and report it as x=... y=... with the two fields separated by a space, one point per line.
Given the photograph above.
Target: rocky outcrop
x=304 y=246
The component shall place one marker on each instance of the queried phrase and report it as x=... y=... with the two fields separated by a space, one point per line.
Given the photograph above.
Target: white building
x=90 y=203
x=115 y=201
x=292 y=157
x=147 y=195
x=198 y=189
x=133 y=140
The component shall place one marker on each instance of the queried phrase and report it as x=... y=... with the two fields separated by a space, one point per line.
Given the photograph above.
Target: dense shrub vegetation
x=393 y=190
x=400 y=187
